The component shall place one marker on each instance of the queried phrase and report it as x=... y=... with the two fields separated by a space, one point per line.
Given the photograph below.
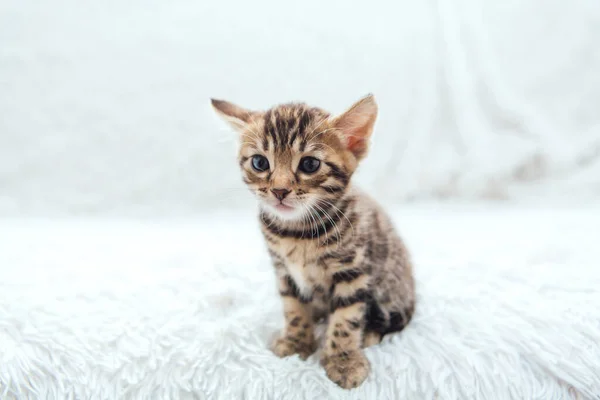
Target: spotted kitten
x=335 y=252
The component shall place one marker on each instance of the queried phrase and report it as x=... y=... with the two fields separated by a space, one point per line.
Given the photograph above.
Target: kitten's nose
x=280 y=193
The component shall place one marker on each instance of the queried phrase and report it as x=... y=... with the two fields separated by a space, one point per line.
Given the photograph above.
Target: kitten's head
x=298 y=159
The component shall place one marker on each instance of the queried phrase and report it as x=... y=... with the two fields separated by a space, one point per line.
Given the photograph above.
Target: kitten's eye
x=260 y=163
x=309 y=165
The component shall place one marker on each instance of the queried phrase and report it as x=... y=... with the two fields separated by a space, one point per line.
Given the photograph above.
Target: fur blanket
x=508 y=308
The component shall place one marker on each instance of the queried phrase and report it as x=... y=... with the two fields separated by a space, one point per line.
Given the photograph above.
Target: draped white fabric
x=104 y=107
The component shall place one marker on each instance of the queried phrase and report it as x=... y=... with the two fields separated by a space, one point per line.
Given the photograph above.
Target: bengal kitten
x=335 y=252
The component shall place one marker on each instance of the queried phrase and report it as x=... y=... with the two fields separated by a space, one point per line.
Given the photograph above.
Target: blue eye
x=260 y=163
x=309 y=165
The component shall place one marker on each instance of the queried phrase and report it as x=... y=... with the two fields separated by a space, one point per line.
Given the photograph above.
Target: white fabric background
x=104 y=113
x=104 y=106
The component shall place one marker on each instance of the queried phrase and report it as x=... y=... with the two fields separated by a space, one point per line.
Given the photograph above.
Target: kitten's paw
x=348 y=369
x=287 y=346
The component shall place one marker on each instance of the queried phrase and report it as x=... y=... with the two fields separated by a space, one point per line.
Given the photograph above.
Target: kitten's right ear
x=236 y=116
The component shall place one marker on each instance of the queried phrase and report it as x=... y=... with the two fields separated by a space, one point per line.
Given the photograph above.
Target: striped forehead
x=289 y=126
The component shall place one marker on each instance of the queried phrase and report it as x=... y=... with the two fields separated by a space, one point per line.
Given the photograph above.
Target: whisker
x=304 y=217
x=255 y=137
x=298 y=203
x=325 y=144
x=310 y=221
x=256 y=134
x=312 y=229
x=338 y=212
x=318 y=126
x=322 y=132
x=323 y=225
x=339 y=234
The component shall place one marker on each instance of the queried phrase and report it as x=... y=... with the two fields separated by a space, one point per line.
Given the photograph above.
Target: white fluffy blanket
x=509 y=308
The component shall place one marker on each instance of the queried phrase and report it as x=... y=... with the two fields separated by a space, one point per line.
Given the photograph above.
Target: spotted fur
x=335 y=252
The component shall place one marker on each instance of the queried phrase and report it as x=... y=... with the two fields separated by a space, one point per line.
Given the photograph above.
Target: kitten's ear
x=236 y=116
x=356 y=125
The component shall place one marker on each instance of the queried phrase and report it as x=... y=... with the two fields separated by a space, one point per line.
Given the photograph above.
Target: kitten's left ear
x=356 y=125
x=235 y=115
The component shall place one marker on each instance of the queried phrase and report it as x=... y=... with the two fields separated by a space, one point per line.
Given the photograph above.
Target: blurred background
x=104 y=106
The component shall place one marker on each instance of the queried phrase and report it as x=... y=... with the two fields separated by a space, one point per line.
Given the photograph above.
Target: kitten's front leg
x=298 y=336
x=343 y=358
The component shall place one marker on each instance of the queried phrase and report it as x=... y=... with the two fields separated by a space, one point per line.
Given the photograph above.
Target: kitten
x=335 y=252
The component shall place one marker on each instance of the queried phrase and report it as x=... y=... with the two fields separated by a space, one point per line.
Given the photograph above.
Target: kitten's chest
x=301 y=263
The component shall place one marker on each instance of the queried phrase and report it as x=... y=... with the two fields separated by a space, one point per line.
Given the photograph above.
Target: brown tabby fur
x=337 y=256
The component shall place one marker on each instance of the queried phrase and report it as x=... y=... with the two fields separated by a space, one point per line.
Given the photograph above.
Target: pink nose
x=280 y=193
